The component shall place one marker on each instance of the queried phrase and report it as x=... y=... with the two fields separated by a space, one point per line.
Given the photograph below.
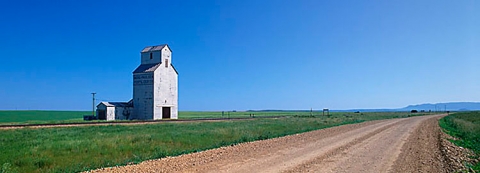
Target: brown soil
x=395 y=145
x=423 y=148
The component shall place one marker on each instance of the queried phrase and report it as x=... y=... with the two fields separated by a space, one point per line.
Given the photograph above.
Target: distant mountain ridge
x=449 y=106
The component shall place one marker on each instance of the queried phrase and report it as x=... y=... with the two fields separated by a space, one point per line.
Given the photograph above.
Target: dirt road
x=395 y=145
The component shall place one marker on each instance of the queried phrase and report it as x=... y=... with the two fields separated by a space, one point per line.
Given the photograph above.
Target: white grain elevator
x=155 y=85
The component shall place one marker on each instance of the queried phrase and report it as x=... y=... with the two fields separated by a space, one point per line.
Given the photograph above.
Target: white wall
x=119 y=113
x=143 y=97
x=166 y=87
x=101 y=107
x=145 y=57
x=110 y=113
x=149 y=99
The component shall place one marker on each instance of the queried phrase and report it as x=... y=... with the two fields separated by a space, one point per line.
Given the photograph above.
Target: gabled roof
x=155 y=48
x=144 y=68
x=174 y=68
x=117 y=104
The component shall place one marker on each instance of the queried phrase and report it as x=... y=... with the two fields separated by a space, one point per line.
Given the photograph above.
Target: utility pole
x=93 y=104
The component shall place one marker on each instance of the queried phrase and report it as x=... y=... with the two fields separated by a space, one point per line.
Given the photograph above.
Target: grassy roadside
x=465 y=126
x=73 y=149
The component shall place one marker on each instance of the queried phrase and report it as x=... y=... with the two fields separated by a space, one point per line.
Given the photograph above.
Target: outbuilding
x=115 y=110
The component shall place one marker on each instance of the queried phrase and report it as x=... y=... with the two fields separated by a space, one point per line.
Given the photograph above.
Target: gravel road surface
x=394 y=145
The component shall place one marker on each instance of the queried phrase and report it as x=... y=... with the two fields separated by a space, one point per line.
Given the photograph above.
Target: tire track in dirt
x=366 y=147
x=373 y=153
x=316 y=150
x=422 y=151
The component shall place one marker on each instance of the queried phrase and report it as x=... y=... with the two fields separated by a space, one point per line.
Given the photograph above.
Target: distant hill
x=450 y=106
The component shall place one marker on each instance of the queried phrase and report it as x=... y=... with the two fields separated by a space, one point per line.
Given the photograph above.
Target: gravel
x=414 y=144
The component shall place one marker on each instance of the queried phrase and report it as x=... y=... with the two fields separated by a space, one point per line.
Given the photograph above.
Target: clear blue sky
x=240 y=55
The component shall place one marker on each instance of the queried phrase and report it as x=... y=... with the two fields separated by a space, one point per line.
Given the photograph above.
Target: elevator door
x=165 y=112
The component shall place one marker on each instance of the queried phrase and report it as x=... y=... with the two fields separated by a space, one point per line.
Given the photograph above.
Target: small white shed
x=114 y=110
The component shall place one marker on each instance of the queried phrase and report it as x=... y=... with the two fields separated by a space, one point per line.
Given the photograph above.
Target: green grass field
x=73 y=149
x=42 y=117
x=33 y=117
x=466 y=127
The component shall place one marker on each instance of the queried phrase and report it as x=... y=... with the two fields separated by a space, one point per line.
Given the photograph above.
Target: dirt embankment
x=396 y=145
x=431 y=151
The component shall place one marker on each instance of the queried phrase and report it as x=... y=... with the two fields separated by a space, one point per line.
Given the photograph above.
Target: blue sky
x=240 y=55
